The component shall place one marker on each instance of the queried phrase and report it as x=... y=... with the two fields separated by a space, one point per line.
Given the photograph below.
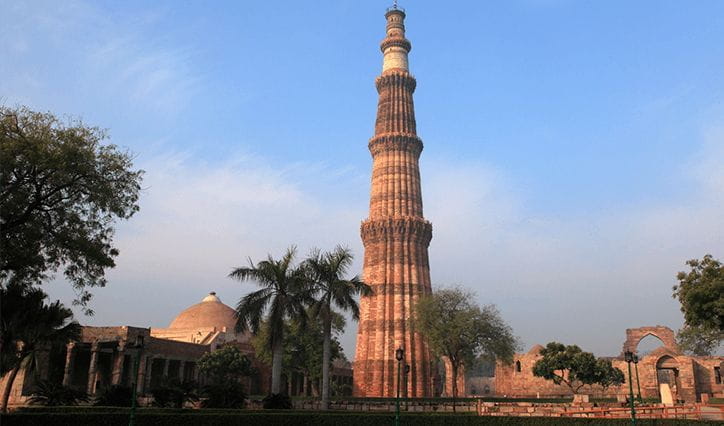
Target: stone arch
x=634 y=336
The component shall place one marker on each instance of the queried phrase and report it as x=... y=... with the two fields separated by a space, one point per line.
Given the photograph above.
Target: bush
x=286 y=418
x=226 y=395
x=115 y=396
x=277 y=401
x=173 y=394
x=53 y=394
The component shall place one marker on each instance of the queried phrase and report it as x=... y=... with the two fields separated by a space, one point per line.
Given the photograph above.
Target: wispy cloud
x=95 y=55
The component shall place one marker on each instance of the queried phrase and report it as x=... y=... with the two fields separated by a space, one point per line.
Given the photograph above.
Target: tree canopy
x=701 y=294
x=459 y=330
x=226 y=364
x=61 y=189
x=570 y=366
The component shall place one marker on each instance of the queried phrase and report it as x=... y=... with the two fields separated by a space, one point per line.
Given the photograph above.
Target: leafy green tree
x=701 y=294
x=570 y=366
x=327 y=271
x=607 y=375
x=459 y=330
x=284 y=294
x=61 y=190
x=224 y=368
x=29 y=325
x=226 y=364
x=302 y=347
x=700 y=341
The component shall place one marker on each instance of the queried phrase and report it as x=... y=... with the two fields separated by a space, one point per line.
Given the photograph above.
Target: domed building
x=105 y=356
x=209 y=322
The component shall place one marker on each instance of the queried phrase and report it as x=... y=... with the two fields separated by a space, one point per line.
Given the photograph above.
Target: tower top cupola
x=395 y=46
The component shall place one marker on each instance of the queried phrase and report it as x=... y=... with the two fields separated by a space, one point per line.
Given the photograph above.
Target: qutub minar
x=395 y=236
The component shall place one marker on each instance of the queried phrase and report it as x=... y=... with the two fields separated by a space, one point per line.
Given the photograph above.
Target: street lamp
x=407 y=373
x=399 y=354
x=629 y=357
x=636 y=367
x=134 y=385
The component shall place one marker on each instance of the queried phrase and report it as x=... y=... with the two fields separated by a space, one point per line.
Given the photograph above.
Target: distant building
x=104 y=356
x=687 y=377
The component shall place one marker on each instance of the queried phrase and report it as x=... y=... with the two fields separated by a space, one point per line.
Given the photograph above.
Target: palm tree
x=284 y=295
x=29 y=324
x=327 y=271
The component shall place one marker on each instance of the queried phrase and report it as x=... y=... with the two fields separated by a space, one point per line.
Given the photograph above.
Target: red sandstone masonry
x=396 y=235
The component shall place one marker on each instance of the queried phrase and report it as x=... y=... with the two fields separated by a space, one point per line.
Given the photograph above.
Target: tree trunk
x=454 y=382
x=9 y=387
x=326 y=354
x=277 y=355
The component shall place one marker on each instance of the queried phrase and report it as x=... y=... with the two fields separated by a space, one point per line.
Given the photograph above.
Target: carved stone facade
x=689 y=377
x=106 y=356
x=396 y=236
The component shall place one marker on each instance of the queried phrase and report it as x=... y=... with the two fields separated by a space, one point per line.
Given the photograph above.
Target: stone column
x=93 y=369
x=166 y=362
x=149 y=371
x=69 y=362
x=118 y=361
x=181 y=365
x=141 y=377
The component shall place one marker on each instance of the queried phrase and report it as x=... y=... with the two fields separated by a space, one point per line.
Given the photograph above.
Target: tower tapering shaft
x=395 y=236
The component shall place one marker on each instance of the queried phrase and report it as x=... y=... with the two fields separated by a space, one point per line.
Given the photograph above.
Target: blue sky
x=573 y=150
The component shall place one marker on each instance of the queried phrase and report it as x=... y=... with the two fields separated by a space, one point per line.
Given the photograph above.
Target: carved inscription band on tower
x=395 y=236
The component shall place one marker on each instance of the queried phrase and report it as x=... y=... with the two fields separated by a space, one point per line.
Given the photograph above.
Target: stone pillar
x=166 y=362
x=69 y=362
x=149 y=371
x=141 y=376
x=117 y=372
x=181 y=365
x=93 y=369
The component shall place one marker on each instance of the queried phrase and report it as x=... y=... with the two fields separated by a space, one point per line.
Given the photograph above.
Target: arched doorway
x=667 y=372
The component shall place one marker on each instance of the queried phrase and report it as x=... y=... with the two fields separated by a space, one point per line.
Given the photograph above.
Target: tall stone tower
x=395 y=236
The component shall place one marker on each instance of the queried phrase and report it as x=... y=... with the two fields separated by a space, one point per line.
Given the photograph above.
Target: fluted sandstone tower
x=395 y=236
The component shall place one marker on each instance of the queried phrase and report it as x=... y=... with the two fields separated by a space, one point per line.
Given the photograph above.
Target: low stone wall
x=527 y=409
x=416 y=406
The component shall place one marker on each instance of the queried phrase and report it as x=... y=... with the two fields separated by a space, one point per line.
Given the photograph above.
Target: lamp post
x=136 y=362
x=399 y=354
x=629 y=357
x=407 y=373
x=636 y=367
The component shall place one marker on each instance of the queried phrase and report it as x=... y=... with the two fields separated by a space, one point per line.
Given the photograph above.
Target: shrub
x=53 y=394
x=226 y=395
x=115 y=396
x=172 y=393
x=286 y=418
x=277 y=401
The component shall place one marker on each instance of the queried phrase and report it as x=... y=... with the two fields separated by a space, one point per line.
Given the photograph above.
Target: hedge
x=203 y=418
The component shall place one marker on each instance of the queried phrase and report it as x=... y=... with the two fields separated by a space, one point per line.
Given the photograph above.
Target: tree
x=284 y=295
x=29 y=325
x=461 y=331
x=607 y=375
x=226 y=364
x=570 y=366
x=302 y=347
x=699 y=341
x=327 y=272
x=701 y=294
x=60 y=192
